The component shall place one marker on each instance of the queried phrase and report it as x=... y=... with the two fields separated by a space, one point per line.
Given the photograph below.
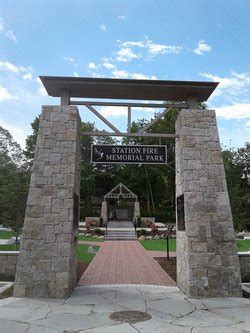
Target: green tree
x=30 y=144
x=96 y=179
x=15 y=202
x=154 y=184
x=14 y=182
x=10 y=150
x=236 y=175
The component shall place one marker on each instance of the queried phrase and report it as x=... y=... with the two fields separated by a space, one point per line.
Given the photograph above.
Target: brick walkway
x=124 y=262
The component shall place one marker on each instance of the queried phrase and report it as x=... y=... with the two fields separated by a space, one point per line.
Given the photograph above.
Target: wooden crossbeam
x=181 y=105
x=130 y=135
x=155 y=120
x=102 y=118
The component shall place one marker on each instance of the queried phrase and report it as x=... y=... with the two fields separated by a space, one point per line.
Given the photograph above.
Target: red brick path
x=124 y=262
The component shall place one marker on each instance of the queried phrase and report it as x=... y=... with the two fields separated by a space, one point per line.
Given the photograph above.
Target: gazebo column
x=137 y=209
x=104 y=211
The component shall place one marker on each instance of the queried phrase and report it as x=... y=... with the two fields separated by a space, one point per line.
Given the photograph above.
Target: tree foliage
x=154 y=184
x=14 y=182
x=235 y=163
x=30 y=146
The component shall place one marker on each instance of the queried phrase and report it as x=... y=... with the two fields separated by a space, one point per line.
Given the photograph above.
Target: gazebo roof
x=120 y=191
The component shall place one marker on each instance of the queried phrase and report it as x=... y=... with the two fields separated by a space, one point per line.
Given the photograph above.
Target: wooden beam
x=65 y=98
x=102 y=118
x=192 y=102
x=181 y=105
x=129 y=119
x=132 y=135
x=155 y=120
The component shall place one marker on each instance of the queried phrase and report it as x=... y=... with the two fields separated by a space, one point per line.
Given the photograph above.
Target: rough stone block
x=55 y=158
x=58 y=179
x=45 y=267
x=43 y=155
x=206 y=254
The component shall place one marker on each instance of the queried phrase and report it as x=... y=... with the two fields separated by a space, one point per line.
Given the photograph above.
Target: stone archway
x=207 y=261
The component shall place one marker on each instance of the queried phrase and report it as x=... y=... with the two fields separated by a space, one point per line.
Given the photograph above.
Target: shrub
x=138 y=221
x=97 y=231
x=89 y=224
x=154 y=229
x=143 y=232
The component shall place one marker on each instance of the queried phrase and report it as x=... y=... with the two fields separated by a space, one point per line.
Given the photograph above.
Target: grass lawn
x=158 y=244
x=9 y=247
x=6 y=234
x=161 y=245
x=9 y=234
x=152 y=245
x=243 y=245
x=89 y=239
x=82 y=254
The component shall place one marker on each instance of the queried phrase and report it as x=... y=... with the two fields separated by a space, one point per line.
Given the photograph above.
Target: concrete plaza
x=88 y=309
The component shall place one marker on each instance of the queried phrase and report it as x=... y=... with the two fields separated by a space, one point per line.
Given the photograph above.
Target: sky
x=196 y=40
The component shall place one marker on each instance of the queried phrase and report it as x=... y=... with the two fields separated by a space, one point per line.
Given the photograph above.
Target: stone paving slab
x=88 y=310
x=124 y=262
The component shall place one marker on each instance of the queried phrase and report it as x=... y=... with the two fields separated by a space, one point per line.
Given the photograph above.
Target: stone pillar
x=207 y=261
x=47 y=261
x=137 y=209
x=104 y=211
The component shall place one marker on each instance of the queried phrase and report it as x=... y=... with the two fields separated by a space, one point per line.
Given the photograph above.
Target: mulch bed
x=81 y=268
x=169 y=266
x=7 y=293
